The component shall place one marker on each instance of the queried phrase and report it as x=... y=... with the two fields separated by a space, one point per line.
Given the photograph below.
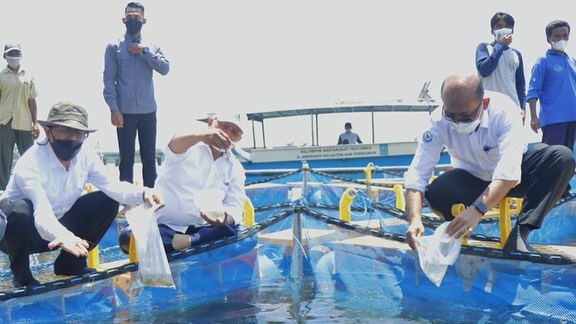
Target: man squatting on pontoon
x=482 y=133
x=197 y=161
x=44 y=204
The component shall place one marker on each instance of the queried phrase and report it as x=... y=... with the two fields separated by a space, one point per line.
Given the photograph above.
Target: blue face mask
x=133 y=26
x=66 y=150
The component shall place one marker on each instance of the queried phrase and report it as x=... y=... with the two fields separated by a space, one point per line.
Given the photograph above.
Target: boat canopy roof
x=398 y=105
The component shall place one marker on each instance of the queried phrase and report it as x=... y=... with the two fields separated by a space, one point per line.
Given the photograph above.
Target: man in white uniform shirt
x=44 y=204
x=482 y=133
x=196 y=162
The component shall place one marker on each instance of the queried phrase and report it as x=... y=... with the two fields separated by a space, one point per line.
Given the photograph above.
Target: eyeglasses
x=70 y=133
x=467 y=118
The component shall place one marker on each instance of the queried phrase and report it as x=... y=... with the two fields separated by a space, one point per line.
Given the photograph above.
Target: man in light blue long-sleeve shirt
x=129 y=92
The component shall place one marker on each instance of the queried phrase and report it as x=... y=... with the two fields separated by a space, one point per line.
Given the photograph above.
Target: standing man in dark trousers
x=482 y=132
x=553 y=82
x=17 y=110
x=129 y=92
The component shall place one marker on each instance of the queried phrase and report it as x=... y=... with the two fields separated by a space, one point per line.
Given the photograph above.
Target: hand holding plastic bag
x=153 y=267
x=436 y=252
x=209 y=201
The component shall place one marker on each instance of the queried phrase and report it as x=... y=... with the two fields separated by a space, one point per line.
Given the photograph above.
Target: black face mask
x=133 y=26
x=66 y=150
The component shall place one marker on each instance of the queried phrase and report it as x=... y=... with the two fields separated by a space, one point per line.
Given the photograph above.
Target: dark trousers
x=8 y=138
x=546 y=171
x=145 y=126
x=89 y=219
x=560 y=134
x=199 y=235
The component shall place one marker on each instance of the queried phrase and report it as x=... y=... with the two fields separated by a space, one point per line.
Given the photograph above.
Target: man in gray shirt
x=129 y=92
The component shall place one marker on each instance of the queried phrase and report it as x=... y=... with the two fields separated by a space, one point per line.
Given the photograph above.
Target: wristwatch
x=480 y=206
x=145 y=50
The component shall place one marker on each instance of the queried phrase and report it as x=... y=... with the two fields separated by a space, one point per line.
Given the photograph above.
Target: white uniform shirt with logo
x=40 y=177
x=187 y=173
x=493 y=151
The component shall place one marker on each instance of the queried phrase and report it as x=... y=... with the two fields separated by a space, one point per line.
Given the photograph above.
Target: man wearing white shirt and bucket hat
x=44 y=204
x=201 y=173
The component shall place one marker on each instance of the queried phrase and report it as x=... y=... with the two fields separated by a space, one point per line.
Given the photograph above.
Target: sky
x=250 y=56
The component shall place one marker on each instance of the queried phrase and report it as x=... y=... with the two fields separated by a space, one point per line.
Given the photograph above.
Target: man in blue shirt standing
x=553 y=82
x=129 y=92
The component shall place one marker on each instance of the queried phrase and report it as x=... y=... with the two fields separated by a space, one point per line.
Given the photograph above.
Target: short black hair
x=555 y=24
x=502 y=15
x=137 y=5
x=348 y=125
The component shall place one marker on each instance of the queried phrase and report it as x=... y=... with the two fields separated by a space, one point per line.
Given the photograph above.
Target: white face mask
x=499 y=33
x=559 y=45
x=13 y=62
x=465 y=128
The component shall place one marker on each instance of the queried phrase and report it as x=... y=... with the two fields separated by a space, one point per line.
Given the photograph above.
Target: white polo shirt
x=187 y=173
x=40 y=177
x=493 y=151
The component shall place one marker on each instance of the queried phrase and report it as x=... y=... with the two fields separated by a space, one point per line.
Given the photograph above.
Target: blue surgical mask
x=65 y=150
x=133 y=26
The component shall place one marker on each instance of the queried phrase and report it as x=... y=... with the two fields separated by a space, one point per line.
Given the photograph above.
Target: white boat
x=336 y=156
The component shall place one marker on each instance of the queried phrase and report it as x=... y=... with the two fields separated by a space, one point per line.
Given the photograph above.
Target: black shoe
x=69 y=265
x=73 y=272
x=25 y=283
x=516 y=243
x=124 y=239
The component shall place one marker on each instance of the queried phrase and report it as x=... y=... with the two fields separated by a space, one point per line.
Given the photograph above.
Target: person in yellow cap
x=44 y=204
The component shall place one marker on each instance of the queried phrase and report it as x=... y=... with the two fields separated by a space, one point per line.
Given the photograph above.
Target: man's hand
x=535 y=124
x=35 y=131
x=135 y=48
x=73 y=245
x=464 y=223
x=506 y=39
x=117 y=118
x=414 y=231
x=228 y=220
x=153 y=198
x=217 y=138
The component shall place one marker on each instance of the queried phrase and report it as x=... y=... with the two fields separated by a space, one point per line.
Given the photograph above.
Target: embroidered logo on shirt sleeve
x=487 y=148
x=427 y=137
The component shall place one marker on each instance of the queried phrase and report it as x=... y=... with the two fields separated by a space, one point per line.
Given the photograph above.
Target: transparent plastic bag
x=153 y=267
x=209 y=201
x=436 y=252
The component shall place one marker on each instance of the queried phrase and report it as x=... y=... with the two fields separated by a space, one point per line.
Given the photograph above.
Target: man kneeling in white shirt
x=44 y=204
x=197 y=162
x=482 y=132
